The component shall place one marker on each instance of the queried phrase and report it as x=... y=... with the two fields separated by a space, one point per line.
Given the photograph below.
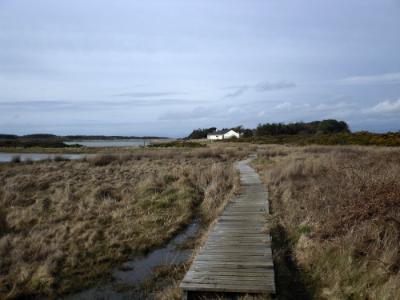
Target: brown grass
x=64 y=224
x=341 y=208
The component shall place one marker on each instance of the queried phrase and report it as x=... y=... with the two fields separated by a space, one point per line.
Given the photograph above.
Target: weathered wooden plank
x=231 y=269
x=229 y=288
x=216 y=249
x=232 y=253
x=240 y=243
x=239 y=227
x=243 y=281
x=236 y=283
x=238 y=273
x=243 y=241
x=234 y=257
x=237 y=236
x=230 y=248
x=249 y=282
x=238 y=264
x=253 y=220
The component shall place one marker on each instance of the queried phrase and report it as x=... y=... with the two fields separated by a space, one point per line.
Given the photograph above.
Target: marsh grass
x=65 y=224
x=341 y=209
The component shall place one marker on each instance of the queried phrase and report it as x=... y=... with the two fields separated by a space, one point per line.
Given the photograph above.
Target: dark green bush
x=16 y=159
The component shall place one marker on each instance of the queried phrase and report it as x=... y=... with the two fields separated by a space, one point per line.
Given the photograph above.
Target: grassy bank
x=65 y=224
x=356 y=138
x=90 y=150
x=340 y=210
x=178 y=144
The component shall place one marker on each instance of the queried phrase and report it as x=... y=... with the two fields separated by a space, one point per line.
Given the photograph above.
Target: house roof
x=220 y=132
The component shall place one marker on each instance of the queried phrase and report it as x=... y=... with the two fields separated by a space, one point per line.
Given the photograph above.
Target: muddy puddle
x=132 y=273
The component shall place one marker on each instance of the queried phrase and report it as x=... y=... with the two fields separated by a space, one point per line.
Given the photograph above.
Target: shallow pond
x=134 y=272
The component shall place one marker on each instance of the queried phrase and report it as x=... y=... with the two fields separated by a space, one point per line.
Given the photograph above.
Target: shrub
x=107 y=194
x=3 y=222
x=60 y=158
x=16 y=159
x=28 y=161
x=102 y=160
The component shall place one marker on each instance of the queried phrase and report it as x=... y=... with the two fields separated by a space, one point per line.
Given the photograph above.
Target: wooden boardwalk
x=237 y=254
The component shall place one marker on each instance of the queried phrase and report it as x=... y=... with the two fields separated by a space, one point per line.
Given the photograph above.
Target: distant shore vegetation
x=325 y=132
x=33 y=140
x=44 y=140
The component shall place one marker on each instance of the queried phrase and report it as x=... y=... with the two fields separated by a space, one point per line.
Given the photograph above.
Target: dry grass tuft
x=341 y=207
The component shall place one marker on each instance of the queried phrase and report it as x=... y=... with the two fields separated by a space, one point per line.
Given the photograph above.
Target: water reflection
x=136 y=271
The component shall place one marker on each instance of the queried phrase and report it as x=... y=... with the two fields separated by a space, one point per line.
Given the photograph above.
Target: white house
x=223 y=134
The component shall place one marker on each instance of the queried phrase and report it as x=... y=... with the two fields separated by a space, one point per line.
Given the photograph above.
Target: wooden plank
x=237 y=264
x=248 y=281
x=231 y=273
x=240 y=250
x=239 y=237
x=240 y=243
x=237 y=288
x=235 y=257
x=231 y=269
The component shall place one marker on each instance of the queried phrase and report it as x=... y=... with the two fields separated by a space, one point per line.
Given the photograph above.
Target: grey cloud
x=38 y=105
x=150 y=102
x=148 y=94
x=237 y=91
x=201 y=112
x=386 y=106
x=60 y=105
x=387 y=78
x=270 y=86
x=196 y=113
x=263 y=86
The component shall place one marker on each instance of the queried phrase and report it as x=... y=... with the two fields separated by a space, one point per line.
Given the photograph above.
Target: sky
x=165 y=67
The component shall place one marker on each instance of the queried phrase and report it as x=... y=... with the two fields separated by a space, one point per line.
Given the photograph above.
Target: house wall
x=228 y=135
x=215 y=137
x=231 y=134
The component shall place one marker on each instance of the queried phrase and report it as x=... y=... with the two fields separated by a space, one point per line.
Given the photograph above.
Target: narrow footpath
x=236 y=258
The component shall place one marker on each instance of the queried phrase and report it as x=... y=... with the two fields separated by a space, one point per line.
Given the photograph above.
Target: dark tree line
x=270 y=129
x=325 y=126
x=201 y=133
